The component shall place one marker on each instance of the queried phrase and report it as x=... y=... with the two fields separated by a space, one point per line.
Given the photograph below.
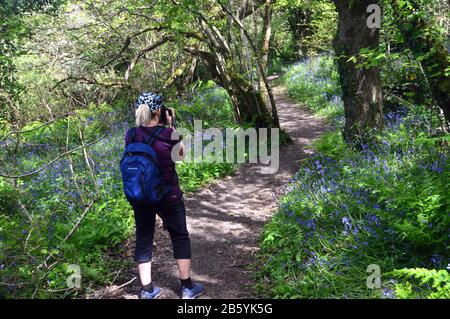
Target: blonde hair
x=143 y=114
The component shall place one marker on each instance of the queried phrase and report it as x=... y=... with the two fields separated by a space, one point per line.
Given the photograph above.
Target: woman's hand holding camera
x=170 y=119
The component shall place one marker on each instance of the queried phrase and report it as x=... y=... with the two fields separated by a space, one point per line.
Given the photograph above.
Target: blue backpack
x=141 y=172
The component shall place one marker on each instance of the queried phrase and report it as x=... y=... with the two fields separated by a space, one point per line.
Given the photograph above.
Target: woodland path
x=226 y=218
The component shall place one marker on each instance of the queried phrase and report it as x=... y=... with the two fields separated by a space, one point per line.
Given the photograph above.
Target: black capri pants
x=173 y=215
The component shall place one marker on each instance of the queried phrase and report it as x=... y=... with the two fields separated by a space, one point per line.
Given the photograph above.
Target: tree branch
x=143 y=52
x=86 y=210
x=258 y=62
x=127 y=43
x=51 y=162
x=247 y=8
x=84 y=80
x=35 y=128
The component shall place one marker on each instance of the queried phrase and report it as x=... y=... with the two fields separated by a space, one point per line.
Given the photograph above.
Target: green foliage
x=331 y=144
x=13 y=32
x=37 y=133
x=386 y=204
x=195 y=175
x=207 y=102
x=9 y=198
x=305 y=28
x=54 y=197
x=430 y=284
x=412 y=51
x=315 y=83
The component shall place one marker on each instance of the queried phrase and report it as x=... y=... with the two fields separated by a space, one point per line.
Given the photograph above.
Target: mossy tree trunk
x=225 y=65
x=249 y=104
x=361 y=86
x=299 y=24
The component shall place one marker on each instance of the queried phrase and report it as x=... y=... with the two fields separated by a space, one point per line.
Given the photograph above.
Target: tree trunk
x=424 y=44
x=299 y=24
x=266 y=34
x=262 y=72
x=247 y=100
x=361 y=86
x=248 y=103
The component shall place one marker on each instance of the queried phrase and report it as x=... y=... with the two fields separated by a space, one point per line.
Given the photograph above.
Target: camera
x=163 y=118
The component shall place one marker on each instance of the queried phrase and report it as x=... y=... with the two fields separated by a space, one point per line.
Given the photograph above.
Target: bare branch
x=87 y=160
x=143 y=52
x=51 y=162
x=121 y=286
x=86 y=210
x=84 y=80
x=247 y=8
x=258 y=62
x=109 y=287
x=35 y=128
x=127 y=43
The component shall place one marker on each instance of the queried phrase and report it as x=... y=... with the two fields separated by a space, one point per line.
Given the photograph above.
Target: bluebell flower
x=319 y=166
x=347 y=221
x=385 y=166
x=388 y=293
x=347 y=225
x=310 y=224
x=373 y=219
x=436 y=259
x=99 y=182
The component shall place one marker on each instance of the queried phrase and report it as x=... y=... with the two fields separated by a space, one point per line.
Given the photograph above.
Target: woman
x=171 y=209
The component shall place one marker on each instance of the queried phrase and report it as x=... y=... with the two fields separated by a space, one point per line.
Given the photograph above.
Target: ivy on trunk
x=361 y=86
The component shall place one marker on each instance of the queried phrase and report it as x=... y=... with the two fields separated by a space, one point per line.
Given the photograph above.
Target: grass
x=386 y=205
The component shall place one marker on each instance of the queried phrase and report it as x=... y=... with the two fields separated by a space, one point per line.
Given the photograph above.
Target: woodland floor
x=225 y=220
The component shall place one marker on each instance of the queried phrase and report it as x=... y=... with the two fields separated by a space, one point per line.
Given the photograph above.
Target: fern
x=435 y=282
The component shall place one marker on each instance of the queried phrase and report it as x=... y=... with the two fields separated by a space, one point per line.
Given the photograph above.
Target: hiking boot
x=197 y=290
x=150 y=295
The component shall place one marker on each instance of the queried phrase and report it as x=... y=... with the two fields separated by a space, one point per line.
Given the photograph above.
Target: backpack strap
x=132 y=134
x=151 y=138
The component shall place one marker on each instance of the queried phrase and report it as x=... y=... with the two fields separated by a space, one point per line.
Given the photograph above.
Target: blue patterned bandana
x=153 y=100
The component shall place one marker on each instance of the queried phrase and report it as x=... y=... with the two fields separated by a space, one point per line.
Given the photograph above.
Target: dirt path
x=225 y=220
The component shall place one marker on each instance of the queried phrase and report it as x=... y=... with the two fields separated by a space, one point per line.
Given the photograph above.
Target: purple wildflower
x=388 y=293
